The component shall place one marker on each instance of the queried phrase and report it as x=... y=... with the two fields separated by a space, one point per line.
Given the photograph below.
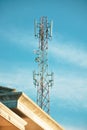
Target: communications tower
x=41 y=78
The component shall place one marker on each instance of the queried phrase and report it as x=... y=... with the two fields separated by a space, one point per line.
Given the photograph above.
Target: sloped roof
x=6 y=90
x=23 y=106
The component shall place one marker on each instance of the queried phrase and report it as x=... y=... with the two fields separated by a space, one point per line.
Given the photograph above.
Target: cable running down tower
x=42 y=79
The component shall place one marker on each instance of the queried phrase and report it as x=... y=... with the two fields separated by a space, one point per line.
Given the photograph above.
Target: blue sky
x=67 y=54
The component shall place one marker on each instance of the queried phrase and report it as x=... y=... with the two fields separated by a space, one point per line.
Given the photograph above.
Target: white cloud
x=72 y=90
x=18 y=37
x=69 y=53
x=75 y=128
x=21 y=79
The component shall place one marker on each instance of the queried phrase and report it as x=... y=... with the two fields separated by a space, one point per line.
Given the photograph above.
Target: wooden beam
x=11 y=117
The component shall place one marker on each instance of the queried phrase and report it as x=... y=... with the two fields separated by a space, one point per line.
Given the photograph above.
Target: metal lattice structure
x=42 y=79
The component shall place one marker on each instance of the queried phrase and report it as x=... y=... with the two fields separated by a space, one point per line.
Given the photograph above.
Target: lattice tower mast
x=42 y=79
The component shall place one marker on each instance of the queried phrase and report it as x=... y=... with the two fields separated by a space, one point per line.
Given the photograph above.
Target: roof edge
x=25 y=102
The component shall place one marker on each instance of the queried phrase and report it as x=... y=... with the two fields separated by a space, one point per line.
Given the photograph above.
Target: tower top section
x=43 y=29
